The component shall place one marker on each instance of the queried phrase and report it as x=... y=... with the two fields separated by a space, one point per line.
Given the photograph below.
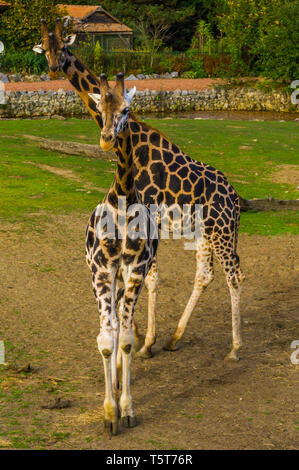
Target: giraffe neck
x=84 y=82
x=123 y=184
x=148 y=168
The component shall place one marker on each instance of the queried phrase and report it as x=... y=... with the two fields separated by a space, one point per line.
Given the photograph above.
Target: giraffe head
x=114 y=106
x=53 y=46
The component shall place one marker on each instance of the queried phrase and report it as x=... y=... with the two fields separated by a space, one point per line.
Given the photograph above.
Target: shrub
x=27 y=62
x=217 y=65
x=98 y=59
x=198 y=67
x=178 y=63
x=189 y=74
x=20 y=25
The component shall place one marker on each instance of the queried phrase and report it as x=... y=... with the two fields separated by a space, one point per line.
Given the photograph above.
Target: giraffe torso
x=163 y=174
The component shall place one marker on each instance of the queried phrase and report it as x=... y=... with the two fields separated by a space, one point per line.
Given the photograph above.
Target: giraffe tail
x=237 y=222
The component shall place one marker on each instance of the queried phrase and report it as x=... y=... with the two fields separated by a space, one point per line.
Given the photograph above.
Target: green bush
x=27 y=62
x=198 y=67
x=189 y=74
x=98 y=59
x=20 y=25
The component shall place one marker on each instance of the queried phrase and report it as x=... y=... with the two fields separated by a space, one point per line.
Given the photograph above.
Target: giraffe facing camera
x=53 y=45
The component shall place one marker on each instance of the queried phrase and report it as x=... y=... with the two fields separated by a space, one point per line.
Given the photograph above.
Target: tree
x=98 y=59
x=20 y=24
x=180 y=16
x=154 y=26
x=238 y=20
x=201 y=36
x=278 y=39
x=183 y=16
x=263 y=35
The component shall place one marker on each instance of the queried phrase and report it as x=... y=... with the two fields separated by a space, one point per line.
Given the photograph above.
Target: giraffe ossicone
x=129 y=95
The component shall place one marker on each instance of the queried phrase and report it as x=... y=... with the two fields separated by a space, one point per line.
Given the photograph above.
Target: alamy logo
x=141 y=221
x=2 y=352
x=2 y=93
x=2 y=86
x=295 y=354
x=295 y=94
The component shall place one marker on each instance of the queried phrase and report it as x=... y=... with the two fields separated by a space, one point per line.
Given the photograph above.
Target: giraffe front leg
x=133 y=285
x=126 y=343
x=103 y=285
x=106 y=347
x=128 y=418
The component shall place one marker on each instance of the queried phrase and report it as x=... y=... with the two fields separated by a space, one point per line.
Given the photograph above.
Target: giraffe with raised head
x=55 y=48
x=164 y=175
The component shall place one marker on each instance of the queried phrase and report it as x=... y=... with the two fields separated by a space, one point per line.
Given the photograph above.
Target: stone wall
x=22 y=104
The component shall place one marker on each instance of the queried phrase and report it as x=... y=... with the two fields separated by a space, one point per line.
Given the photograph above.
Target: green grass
x=247 y=152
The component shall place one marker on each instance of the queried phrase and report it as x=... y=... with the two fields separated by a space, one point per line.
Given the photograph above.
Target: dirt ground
x=188 y=399
x=156 y=84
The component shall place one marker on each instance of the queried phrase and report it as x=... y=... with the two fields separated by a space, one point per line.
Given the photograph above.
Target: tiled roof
x=102 y=28
x=79 y=11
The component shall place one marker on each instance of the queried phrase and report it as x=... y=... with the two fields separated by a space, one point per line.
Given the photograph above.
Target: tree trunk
x=73 y=148
x=268 y=204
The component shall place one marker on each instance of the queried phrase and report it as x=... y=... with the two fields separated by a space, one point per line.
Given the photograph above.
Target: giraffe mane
x=148 y=126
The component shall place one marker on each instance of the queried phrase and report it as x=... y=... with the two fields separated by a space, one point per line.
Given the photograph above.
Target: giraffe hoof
x=128 y=421
x=111 y=427
x=232 y=356
x=170 y=346
x=144 y=353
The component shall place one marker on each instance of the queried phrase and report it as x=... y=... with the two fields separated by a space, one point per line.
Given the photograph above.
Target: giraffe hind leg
x=229 y=261
x=203 y=277
x=151 y=283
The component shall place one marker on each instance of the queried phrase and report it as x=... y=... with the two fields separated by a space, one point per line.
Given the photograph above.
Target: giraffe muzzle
x=107 y=142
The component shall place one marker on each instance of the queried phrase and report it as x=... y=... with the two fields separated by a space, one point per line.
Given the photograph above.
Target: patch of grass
x=270 y=223
x=61 y=436
x=221 y=144
x=14 y=353
x=155 y=443
x=26 y=442
x=249 y=153
x=28 y=189
x=44 y=269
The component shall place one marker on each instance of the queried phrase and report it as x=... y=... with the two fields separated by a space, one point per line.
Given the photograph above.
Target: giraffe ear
x=129 y=95
x=38 y=48
x=70 y=39
x=96 y=97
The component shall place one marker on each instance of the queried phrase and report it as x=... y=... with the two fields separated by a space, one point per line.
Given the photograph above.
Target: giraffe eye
x=125 y=111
